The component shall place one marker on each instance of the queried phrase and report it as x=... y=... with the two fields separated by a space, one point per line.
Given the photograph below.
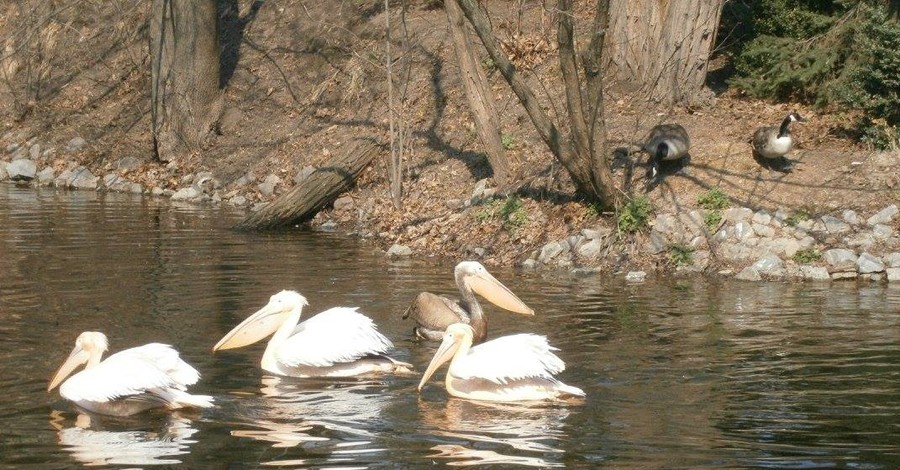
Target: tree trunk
x=315 y=191
x=580 y=153
x=663 y=46
x=481 y=101
x=185 y=98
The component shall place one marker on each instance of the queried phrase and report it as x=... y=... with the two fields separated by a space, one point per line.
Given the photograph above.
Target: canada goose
x=667 y=142
x=772 y=143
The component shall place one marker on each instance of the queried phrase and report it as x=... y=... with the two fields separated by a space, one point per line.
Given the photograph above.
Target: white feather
x=509 y=358
x=337 y=335
x=131 y=372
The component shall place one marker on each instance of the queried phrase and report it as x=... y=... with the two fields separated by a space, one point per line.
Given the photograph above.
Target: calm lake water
x=685 y=373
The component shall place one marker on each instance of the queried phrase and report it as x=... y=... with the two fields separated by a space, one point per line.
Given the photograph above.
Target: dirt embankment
x=301 y=80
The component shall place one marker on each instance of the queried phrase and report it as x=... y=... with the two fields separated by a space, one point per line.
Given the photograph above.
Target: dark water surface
x=687 y=373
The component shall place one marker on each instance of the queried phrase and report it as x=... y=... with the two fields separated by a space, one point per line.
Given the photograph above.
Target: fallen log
x=316 y=190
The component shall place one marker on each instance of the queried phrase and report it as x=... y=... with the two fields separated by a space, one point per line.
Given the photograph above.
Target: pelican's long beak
x=487 y=286
x=444 y=353
x=76 y=358
x=256 y=327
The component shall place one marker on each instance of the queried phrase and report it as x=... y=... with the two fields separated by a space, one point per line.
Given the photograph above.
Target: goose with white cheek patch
x=772 y=143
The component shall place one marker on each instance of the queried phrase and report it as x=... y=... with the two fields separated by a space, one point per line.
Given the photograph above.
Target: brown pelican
x=510 y=368
x=339 y=342
x=129 y=381
x=434 y=313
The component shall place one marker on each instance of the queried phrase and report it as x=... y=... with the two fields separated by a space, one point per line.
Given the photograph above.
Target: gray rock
x=851 y=217
x=657 y=242
x=592 y=234
x=399 y=250
x=586 y=271
x=873 y=277
x=128 y=163
x=882 y=232
x=721 y=235
x=189 y=193
x=136 y=188
x=267 y=187
x=815 y=273
x=736 y=251
x=327 y=226
x=761 y=217
x=635 y=276
x=748 y=274
x=892 y=260
x=699 y=261
x=763 y=230
x=3 y=173
x=82 y=178
x=667 y=225
x=768 y=264
x=840 y=259
x=805 y=225
x=343 y=203
x=112 y=181
x=862 y=240
x=844 y=275
x=884 y=216
x=76 y=144
x=304 y=172
x=479 y=251
x=552 y=250
x=480 y=187
x=591 y=249
x=806 y=242
x=238 y=201
x=530 y=263
x=736 y=214
x=691 y=222
x=12 y=147
x=46 y=176
x=893 y=274
x=21 y=170
x=574 y=241
x=867 y=264
x=786 y=247
x=742 y=230
x=156 y=191
x=834 y=225
x=35 y=152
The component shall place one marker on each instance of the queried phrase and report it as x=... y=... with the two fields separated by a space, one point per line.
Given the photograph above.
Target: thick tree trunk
x=315 y=191
x=481 y=101
x=663 y=46
x=185 y=98
x=582 y=154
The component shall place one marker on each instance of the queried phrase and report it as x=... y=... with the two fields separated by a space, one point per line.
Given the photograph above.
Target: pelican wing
x=131 y=372
x=337 y=335
x=510 y=358
x=436 y=312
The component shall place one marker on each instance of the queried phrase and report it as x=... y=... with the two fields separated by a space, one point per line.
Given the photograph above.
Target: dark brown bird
x=434 y=313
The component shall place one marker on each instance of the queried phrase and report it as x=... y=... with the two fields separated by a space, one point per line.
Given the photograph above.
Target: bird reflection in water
x=103 y=440
x=330 y=416
x=494 y=433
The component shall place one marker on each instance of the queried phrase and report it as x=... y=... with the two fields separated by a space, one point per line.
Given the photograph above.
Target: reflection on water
x=96 y=440
x=330 y=417
x=684 y=373
x=526 y=428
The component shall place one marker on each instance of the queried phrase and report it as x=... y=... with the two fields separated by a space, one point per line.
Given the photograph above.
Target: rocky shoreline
x=728 y=241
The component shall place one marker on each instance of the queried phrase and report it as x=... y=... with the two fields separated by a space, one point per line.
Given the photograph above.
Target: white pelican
x=339 y=342
x=511 y=368
x=129 y=381
x=434 y=313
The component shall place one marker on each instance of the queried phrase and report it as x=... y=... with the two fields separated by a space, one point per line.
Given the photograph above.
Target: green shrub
x=510 y=212
x=712 y=219
x=681 y=255
x=796 y=218
x=714 y=199
x=634 y=215
x=807 y=255
x=507 y=141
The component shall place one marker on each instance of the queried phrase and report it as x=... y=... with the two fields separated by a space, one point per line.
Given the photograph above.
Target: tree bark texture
x=663 y=46
x=578 y=153
x=314 y=192
x=478 y=92
x=185 y=98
